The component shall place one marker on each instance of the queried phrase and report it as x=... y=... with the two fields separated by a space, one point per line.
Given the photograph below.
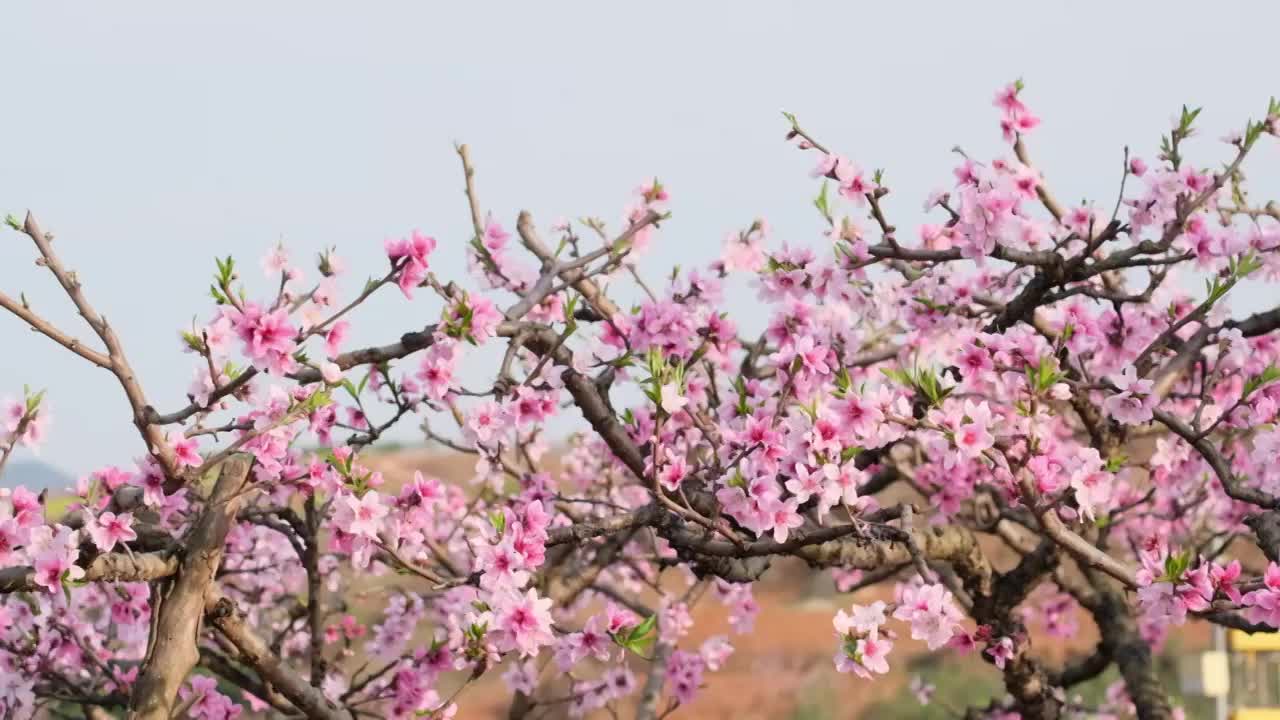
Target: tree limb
x=177 y=625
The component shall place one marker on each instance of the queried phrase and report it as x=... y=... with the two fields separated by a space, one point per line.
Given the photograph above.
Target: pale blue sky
x=149 y=136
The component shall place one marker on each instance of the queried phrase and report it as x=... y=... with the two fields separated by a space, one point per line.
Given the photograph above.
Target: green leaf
x=1247 y=264
x=226 y=270
x=1216 y=288
x=193 y=341
x=33 y=401
x=67 y=583
x=1252 y=131
x=821 y=202
x=91 y=497
x=1175 y=565
x=12 y=221
x=843 y=380
x=1116 y=462
x=317 y=400
x=928 y=383
x=637 y=639
x=654 y=395
x=645 y=627
x=897 y=375
x=933 y=306
x=1257 y=382
x=1185 y=121
x=1043 y=376
x=656 y=363
x=624 y=361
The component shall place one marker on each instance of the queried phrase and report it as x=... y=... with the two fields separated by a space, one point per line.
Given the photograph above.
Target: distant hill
x=35 y=475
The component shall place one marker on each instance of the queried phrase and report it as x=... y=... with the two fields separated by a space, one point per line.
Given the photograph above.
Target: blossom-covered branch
x=1019 y=383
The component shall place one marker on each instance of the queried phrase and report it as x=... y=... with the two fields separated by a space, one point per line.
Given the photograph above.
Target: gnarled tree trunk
x=176 y=624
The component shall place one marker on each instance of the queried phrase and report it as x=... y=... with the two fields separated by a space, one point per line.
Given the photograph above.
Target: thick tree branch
x=1084 y=669
x=224 y=668
x=223 y=615
x=1123 y=642
x=1085 y=552
x=109 y=567
x=176 y=627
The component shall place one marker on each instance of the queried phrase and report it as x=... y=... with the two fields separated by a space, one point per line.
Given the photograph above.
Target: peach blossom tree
x=1017 y=374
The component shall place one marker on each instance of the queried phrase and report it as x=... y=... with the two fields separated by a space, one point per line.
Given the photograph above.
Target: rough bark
x=315 y=593
x=1084 y=669
x=223 y=615
x=175 y=630
x=1024 y=677
x=221 y=666
x=1266 y=526
x=110 y=567
x=521 y=706
x=1123 y=642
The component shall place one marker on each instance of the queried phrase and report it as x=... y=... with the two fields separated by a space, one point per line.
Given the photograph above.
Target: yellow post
x=1242 y=641
x=1250 y=645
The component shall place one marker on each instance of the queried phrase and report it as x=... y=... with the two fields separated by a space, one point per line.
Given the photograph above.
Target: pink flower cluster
x=863 y=649
x=410 y=256
x=699 y=446
x=23 y=422
x=269 y=338
x=1170 y=588
x=931 y=610
x=1264 y=603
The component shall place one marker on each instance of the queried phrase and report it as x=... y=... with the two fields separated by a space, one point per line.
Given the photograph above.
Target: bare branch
x=152 y=436
x=47 y=329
